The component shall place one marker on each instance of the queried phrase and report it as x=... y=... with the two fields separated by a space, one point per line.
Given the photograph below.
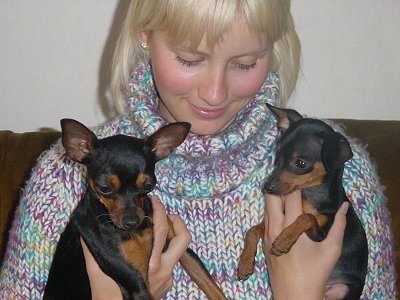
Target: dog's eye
x=301 y=164
x=148 y=186
x=104 y=189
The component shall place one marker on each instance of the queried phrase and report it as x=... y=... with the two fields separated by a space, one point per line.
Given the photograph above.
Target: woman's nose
x=213 y=89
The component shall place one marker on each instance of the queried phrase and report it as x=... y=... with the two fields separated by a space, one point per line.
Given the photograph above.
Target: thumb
x=160 y=228
x=336 y=232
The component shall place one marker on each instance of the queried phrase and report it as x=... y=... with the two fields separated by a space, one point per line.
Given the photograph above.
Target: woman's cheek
x=248 y=85
x=173 y=78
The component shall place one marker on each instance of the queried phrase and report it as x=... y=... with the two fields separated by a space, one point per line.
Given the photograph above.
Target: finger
x=293 y=206
x=178 y=243
x=101 y=285
x=91 y=264
x=160 y=220
x=336 y=233
x=274 y=209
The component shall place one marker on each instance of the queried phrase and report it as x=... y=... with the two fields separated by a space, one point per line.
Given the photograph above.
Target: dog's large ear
x=77 y=140
x=335 y=150
x=285 y=116
x=167 y=138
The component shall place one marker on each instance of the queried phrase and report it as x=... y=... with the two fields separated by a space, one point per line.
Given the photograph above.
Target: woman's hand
x=161 y=263
x=303 y=272
x=102 y=286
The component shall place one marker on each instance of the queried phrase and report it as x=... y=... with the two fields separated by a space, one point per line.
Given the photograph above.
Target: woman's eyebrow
x=205 y=52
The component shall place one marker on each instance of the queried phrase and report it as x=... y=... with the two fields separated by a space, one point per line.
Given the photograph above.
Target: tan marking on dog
x=115 y=182
x=141 y=180
x=114 y=206
x=309 y=209
x=286 y=239
x=137 y=251
x=291 y=182
x=247 y=258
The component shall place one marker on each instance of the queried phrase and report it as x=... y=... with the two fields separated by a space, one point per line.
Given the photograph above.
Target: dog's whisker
x=107 y=222
x=103 y=215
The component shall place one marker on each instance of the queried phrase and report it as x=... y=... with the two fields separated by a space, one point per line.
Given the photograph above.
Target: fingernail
x=345 y=206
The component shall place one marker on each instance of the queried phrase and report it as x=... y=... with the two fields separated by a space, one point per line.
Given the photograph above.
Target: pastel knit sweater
x=212 y=182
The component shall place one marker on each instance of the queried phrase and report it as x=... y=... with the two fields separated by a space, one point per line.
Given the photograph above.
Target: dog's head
x=120 y=168
x=308 y=152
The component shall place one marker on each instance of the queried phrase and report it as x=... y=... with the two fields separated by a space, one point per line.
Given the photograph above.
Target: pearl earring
x=144 y=45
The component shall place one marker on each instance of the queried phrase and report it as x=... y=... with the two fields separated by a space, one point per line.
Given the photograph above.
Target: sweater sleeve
x=46 y=203
x=49 y=197
x=365 y=192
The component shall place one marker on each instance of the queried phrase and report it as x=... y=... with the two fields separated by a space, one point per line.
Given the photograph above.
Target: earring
x=144 y=45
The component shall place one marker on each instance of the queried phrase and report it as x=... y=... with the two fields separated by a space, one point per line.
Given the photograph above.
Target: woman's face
x=208 y=87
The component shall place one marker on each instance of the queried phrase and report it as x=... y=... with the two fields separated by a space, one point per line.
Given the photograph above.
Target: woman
x=214 y=64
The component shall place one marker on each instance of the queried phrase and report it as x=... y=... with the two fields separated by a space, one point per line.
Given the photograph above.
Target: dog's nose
x=269 y=188
x=131 y=223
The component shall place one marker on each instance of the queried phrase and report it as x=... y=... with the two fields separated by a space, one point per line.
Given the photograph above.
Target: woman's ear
x=144 y=38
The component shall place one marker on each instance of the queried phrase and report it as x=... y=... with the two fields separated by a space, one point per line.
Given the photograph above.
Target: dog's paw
x=245 y=266
x=281 y=246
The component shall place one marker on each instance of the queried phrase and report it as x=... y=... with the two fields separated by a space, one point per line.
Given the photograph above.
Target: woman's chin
x=208 y=129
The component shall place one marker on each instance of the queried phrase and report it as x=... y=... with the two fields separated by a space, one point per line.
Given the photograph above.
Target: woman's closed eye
x=188 y=63
x=194 y=63
x=246 y=67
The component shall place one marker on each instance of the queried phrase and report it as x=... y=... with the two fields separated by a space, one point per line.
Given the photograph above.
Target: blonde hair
x=189 y=19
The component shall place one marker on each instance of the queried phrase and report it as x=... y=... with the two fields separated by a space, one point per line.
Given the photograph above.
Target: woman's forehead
x=212 y=20
x=196 y=38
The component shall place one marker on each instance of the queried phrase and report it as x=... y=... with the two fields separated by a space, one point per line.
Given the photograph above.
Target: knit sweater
x=212 y=182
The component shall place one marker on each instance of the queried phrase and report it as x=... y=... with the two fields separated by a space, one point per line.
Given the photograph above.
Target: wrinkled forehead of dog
x=122 y=153
x=305 y=136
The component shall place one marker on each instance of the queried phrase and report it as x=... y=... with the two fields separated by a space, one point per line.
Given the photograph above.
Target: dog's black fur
x=311 y=157
x=115 y=216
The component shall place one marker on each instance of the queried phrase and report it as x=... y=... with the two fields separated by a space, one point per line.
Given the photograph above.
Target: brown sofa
x=18 y=152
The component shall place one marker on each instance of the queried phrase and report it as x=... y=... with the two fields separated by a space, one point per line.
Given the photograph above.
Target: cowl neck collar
x=209 y=166
x=143 y=110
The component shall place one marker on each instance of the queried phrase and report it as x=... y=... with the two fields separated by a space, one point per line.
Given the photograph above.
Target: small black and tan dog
x=311 y=157
x=115 y=216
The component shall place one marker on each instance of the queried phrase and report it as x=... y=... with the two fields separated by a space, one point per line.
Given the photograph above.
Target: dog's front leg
x=247 y=258
x=286 y=239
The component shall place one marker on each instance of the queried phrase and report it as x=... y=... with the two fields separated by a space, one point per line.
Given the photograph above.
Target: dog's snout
x=269 y=188
x=130 y=223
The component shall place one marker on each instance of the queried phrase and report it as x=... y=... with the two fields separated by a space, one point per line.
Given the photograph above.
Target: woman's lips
x=206 y=113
